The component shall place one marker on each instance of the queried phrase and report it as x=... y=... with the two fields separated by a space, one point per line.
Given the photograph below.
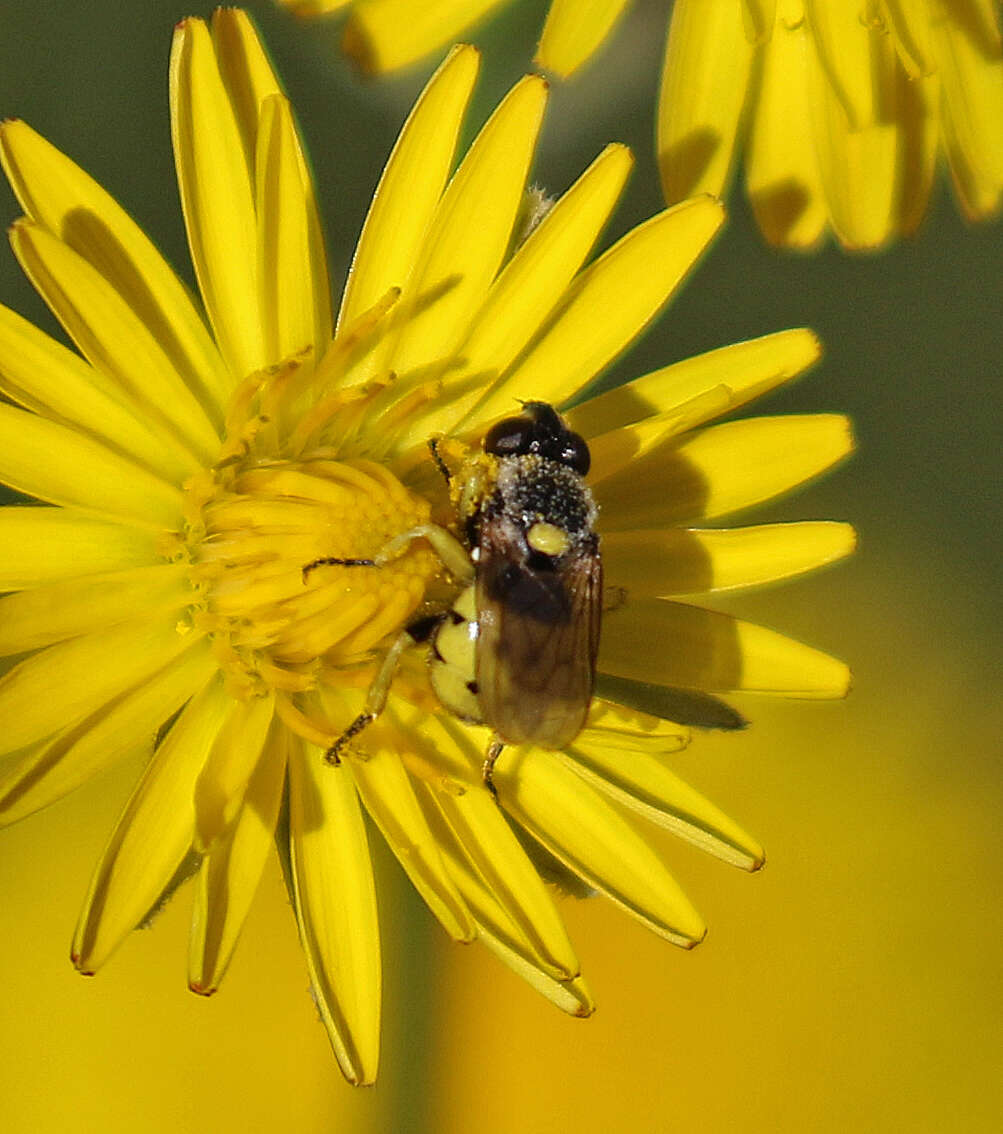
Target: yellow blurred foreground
x=853 y=984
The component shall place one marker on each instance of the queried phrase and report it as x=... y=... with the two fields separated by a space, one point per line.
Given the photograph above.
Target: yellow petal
x=336 y=908
x=56 y=193
x=641 y=781
x=759 y=16
x=571 y=996
x=676 y=561
x=627 y=730
x=236 y=751
x=909 y=25
x=573 y=31
x=382 y=35
x=389 y=798
x=844 y=42
x=217 y=198
x=250 y=81
x=673 y=644
x=971 y=74
x=283 y=236
x=470 y=233
x=781 y=166
x=113 y=338
x=608 y=305
x=917 y=104
x=311 y=8
x=980 y=22
x=745 y=370
x=411 y=185
x=530 y=286
x=700 y=108
x=42 y=375
x=859 y=164
x=231 y=870
x=722 y=469
x=629 y=444
x=497 y=914
x=44 y=545
x=53 y=463
x=462 y=813
x=581 y=830
x=71 y=679
x=152 y=837
x=246 y=73
x=38 y=617
x=123 y=728
x=487 y=839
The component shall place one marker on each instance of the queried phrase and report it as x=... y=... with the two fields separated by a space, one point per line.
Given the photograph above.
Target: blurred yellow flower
x=185 y=477
x=842 y=108
x=383 y=35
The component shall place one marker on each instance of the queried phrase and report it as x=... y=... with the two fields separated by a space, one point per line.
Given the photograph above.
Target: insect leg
x=376 y=698
x=448 y=548
x=440 y=464
x=332 y=561
x=490 y=759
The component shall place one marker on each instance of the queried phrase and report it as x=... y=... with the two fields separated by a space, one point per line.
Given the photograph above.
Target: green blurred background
x=854 y=983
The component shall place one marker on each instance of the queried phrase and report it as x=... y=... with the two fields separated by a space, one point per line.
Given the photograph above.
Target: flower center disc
x=256 y=525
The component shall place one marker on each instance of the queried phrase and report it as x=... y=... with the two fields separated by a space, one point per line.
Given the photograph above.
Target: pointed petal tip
x=815 y=348
x=619 y=147
x=694 y=941
x=706 y=212
x=202 y=989
x=79 y=964
x=356 y=1077
x=468 y=53
x=852 y=539
x=708 y=201
x=533 y=80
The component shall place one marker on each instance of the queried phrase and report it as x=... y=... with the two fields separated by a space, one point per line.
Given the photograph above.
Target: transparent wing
x=538 y=638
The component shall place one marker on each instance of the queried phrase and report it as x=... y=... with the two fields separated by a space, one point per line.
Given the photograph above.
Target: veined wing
x=538 y=637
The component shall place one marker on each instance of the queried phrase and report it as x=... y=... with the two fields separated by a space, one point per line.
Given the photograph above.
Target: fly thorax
x=549 y=503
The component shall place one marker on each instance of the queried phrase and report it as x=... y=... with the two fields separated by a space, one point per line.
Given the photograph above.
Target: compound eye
x=575 y=454
x=508 y=438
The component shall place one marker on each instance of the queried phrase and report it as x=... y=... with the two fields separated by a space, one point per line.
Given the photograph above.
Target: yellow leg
x=376 y=698
x=448 y=548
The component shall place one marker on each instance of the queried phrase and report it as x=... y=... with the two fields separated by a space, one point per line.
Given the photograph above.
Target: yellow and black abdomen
x=452 y=664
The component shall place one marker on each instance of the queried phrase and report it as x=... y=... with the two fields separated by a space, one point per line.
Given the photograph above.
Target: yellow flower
x=841 y=106
x=185 y=477
x=842 y=110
